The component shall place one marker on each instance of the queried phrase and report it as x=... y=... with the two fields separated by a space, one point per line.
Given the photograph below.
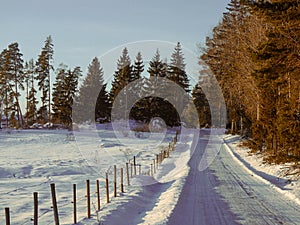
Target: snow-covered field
x=33 y=159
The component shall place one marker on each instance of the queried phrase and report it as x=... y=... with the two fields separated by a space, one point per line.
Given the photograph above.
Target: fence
x=132 y=169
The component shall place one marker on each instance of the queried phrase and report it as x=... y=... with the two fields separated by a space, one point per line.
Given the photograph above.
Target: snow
x=33 y=159
x=235 y=188
x=281 y=177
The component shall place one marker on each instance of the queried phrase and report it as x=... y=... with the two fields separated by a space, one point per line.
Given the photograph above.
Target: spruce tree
x=176 y=73
x=157 y=67
x=176 y=69
x=137 y=88
x=156 y=88
x=122 y=77
x=92 y=101
x=64 y=92
x=102 y=106
x=138 y=67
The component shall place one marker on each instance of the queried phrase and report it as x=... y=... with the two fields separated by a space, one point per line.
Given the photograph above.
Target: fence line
x=151 y=170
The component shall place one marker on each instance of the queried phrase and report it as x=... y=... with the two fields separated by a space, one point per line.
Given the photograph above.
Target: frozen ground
x=235 y=189
x=33 y=159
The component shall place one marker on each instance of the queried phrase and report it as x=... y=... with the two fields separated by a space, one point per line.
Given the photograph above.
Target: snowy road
x=226 y=193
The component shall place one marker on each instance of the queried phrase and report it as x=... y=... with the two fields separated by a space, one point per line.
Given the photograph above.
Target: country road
x=226 y=193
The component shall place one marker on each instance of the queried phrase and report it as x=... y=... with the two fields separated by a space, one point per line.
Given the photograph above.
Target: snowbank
x=274 y=175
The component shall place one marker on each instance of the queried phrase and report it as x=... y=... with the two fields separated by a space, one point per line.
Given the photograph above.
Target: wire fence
x=92 y=201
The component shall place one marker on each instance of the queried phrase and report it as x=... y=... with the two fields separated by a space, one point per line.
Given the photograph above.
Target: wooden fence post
x=127 y=173
x=176 y=135
x=88 y=202
x=74 y=204
x=122 y=185
x=151 y=166
x=134 y=165
x=115 y=181
x=154 y=165
x=54 y=203
x=140 y=169
x=107 y=189
x=35 y=208
x=7 y=216
x=98 y=194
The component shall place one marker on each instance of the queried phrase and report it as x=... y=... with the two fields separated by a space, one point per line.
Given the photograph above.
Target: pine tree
x=228 y=54
x=27 y=81
x=7 y=87
x=31 y=100
x=2 y=85
x=43 y=68
x=17 y=76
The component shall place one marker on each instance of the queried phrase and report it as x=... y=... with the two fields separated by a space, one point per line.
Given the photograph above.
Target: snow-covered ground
x=237 y=188
x=33 y=159
x=284 y=178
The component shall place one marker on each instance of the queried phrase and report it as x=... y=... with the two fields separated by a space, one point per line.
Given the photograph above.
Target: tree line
x=254 y=53
x=136 y=86
x=17 y=76
x=56 y=100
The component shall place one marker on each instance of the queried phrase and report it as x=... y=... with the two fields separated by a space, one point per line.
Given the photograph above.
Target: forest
x=253 y=52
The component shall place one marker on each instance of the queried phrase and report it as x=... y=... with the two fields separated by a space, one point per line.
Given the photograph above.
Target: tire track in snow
x=199 y=203
x=227 y=194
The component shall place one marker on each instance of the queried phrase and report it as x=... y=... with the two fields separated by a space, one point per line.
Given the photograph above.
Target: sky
x=82 y=30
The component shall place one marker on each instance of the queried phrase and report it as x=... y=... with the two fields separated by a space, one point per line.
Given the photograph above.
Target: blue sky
x=84 y=29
